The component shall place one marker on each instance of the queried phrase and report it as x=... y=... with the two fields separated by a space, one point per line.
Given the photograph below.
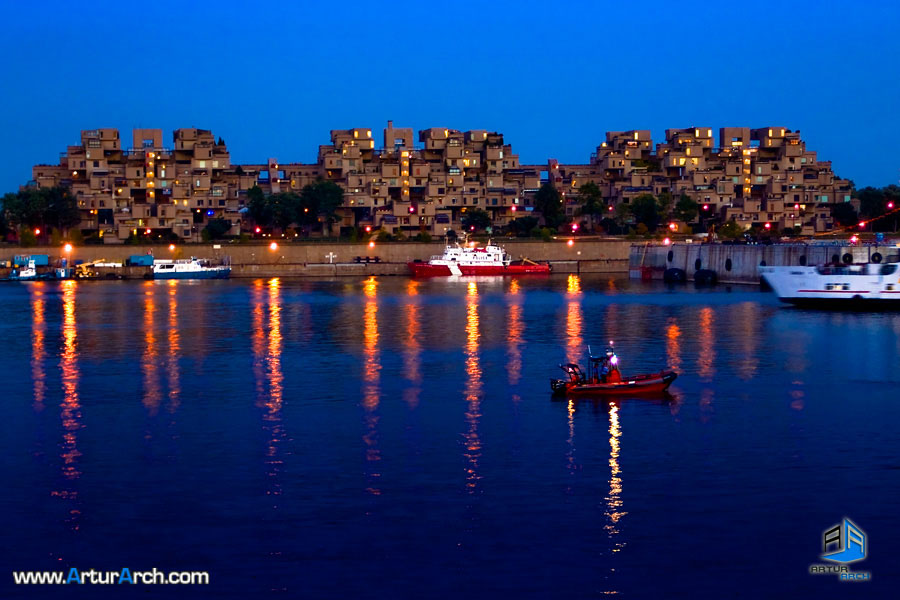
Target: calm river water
x=389 y=438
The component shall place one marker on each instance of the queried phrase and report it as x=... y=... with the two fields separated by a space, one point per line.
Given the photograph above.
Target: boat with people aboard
x=190 y=268
x=603 y=378
x=852 y=285
x=462 y=259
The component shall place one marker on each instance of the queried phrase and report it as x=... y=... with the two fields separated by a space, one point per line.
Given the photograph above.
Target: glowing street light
x=171 y=247
x=673 y=226
x=368 y=228
x=273 y=246
x=570 y=243
x=666 y=242
x=371 y=244
x=258 y=230
x=67 y=248
x=37 y=232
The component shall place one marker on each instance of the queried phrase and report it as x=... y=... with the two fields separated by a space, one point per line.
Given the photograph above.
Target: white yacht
x=861 y=285
x=192 y=268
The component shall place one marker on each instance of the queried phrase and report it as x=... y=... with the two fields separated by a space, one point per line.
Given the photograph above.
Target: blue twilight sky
x=272 y=79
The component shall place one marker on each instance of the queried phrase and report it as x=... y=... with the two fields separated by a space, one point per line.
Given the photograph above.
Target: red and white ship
x=489 y=260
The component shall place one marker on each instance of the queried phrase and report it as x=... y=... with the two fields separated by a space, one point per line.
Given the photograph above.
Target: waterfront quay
x=312 y=259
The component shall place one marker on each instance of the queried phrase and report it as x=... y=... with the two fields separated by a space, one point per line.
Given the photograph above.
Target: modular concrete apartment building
x=752 y=176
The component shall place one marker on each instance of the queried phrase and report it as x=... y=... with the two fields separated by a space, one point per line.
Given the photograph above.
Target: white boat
x=864 y=285
x=25 y=273
x=192 y=268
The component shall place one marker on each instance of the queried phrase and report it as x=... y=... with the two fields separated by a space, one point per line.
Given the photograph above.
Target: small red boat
x=604 y=379
x=490 y=260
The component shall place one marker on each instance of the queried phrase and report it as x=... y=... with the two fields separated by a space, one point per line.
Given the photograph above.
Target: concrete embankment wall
x=740 y=263
x=292 y=259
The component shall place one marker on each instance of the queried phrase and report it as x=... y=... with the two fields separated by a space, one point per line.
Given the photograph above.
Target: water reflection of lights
x=38 y=333
x=258 y=338
x=614 y=511
x=707 y=356
x=70 y=412
x=473 y=390
x=174 y=348
x=272 y=417
x=514 y=335
x=747 y=317
x=673 y=345
x=149 y=363
x=570 y=441
x=574 y=320
x=412 y=347
x=371 y=381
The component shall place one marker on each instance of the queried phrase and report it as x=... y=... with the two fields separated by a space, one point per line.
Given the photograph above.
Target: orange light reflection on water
x=706 y=359
x=515 y=332
x=614 y=512
x=272 y=418
x=174 y=348
x=38 y=353
x=673 y=344
x=149 y=364
x=472 y=390
x=574 y=320
x=371 y=384
x=70 y=413
x=258 y=338
x=412 y=347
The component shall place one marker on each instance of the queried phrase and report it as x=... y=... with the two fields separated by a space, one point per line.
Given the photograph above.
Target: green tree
x=845 y=214
x=523 y=225
x=25 y=208
x=476 y=218
x=285 y=208
x=730 y=230
x=686 y=209
x=258 y=207
x=321 y=199
x=622 y=214
x=646 y=210
x=548 y=201
x=61 y=208
x=664 y=201
x=217 y=228
x=591 y=200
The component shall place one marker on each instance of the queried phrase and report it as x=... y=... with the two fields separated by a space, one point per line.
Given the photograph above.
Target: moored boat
x=858 y=286
x=489 y=260
x=29 y=272
x=603 y=378
x=192 y=268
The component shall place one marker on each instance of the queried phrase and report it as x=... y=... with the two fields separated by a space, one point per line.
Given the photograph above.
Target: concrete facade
x=752 y=176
